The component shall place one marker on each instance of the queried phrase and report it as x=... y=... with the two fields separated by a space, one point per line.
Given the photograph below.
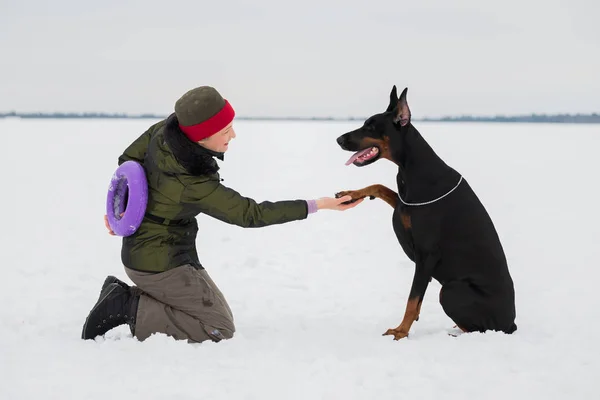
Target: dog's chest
x=405 y=221
x=402 y=220
x=402 y=224
x=401 y=213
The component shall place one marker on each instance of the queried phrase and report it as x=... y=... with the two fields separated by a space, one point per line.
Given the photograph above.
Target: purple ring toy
x=127 y=195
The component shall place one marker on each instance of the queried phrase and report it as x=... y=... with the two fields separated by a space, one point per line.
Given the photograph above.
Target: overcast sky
x=302 y=58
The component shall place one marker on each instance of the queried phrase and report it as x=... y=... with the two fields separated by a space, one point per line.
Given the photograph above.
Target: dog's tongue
x=357 y=154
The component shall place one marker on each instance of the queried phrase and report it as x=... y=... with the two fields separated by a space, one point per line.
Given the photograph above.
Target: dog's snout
x=341 y=140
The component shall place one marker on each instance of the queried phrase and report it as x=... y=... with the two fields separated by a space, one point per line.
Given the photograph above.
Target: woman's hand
x=110 y=231
x=331 y=203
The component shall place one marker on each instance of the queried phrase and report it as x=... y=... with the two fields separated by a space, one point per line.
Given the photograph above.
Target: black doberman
x=440 y=223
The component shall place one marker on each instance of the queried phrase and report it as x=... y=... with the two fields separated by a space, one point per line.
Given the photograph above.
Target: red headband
x=211 y=126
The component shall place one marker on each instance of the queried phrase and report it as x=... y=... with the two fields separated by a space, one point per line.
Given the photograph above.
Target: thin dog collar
x=432 y=201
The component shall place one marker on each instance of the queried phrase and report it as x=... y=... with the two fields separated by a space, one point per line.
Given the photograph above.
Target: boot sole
x=83 y=336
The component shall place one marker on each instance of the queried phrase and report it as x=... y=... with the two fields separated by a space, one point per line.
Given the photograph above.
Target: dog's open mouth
x=364 y=157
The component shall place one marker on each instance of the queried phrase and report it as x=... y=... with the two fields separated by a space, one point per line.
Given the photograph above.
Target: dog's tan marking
x=406 y=221
x=413 y=309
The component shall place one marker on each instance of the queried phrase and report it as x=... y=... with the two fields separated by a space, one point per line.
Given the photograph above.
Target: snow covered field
x=311 y=298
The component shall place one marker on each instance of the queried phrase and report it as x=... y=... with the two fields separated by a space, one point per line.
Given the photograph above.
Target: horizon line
x=117 y=115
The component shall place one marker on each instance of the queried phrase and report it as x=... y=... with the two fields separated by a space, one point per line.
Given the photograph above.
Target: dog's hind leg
x=472 y=311
x=380 y=191
x=461 y=304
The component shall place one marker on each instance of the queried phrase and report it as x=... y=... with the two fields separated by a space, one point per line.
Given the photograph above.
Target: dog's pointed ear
x=402 y=110
x=393 y=100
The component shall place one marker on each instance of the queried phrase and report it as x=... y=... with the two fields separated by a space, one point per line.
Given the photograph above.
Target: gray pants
x=183 y=303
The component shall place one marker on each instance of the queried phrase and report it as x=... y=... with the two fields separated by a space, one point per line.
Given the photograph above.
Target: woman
x=173 y=293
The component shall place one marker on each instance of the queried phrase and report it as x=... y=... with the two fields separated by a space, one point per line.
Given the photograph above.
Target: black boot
x=116 y=306
x=111 y=279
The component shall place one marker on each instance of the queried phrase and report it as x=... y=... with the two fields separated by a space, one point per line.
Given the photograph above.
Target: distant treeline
x=77 y=115
x=540 y=118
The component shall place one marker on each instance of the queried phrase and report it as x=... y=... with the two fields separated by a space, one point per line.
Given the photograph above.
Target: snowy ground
x=311 y=298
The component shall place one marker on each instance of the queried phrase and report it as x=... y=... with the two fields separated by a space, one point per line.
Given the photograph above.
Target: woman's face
x=219 y=142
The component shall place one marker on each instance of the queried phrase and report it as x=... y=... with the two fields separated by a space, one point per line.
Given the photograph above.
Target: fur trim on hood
x=197 y=160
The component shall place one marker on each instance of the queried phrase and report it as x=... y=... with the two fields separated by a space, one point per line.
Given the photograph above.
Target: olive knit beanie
x=202 y=112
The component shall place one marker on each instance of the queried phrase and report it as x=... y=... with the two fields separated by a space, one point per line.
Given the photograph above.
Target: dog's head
x=371 y=141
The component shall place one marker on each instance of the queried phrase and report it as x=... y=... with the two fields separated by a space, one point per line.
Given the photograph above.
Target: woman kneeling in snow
x=173 y=293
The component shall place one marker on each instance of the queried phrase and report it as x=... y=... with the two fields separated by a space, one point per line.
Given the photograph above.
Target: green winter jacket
x=183 y=182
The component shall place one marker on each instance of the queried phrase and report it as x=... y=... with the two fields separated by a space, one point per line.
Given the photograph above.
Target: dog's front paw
x=344 y=193
x=355 y=194
x=350 y=193
x=397 y=333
